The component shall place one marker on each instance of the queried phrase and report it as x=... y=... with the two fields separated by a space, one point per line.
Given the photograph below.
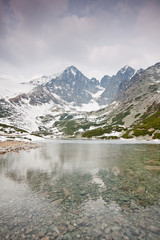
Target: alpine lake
x=75 y=189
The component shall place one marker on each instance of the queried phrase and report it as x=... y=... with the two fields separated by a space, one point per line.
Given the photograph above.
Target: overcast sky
x=39 y=37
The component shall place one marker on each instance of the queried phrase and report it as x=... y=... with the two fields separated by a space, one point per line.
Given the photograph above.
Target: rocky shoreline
x=16 y=146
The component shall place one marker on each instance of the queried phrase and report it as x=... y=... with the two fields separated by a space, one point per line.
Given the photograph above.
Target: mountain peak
x=126 y=69
x=72 y=70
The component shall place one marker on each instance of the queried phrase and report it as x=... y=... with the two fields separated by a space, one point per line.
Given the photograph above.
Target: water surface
x=70 y=189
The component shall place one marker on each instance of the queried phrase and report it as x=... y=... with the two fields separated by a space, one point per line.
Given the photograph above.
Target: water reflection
x=80 y=190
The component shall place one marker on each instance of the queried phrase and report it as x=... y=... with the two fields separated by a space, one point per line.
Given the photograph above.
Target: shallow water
x=70 y=189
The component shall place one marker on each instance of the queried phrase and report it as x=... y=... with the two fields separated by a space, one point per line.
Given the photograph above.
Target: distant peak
x=125 y=69
x=157 y=64
x=72 y=68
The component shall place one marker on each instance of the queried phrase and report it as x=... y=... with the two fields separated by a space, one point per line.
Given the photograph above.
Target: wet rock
x=41 y=234
x=67 y=236
x=115 y=189
x=66 y=192
x=133 y=206
x=97 y=232
x=108 y=237
x=55 y=229
x=79 y=221
x=128 y=232
x=78 y=236
x=107 y=230
x=45 y=238
x=116 y=228
x=141 y=189
x=99 y=218
x=62 y=229
x=83 y=193
x=85 y=220
x=125 y=238
x=28 y=230
x=70 y=227
x=55 y=235
x=154 y=229
x=103 y=226
x=115 y=235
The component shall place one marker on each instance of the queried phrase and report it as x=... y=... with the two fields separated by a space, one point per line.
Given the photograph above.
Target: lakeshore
x=16 y=146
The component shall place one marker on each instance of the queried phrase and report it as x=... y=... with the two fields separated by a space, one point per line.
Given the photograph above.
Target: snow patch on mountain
x=124 y=69
x=91 y=106
x=10 y=88
x=96 y=95
x=43 y=80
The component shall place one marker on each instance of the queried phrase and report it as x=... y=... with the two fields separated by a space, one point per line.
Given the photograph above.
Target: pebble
x=23 y=236
x=70 y=227
x=45 y=238
x=63 y=214
x=78 y=235
x=154 y=229
x=107 y=230
x=129 y=233
x=116 y=228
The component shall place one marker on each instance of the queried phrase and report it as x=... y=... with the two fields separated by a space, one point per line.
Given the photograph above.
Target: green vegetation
x=141 y=132
x=151 y=118
x=138 y=98
x=119 y=117
x=66 y=117
x=137 y=115
x=94 y=132
x=126 y=134
x=149 y=122
x=153 y=88
x=156 y=136
x=69 y=127
x=100 y=131
x=109 y=137
x=11 y=129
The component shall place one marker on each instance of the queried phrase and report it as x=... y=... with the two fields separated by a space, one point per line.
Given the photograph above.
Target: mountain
x=11 y=88
x=56 y=105
x=72 y=87
x=111 y=84
x=136 y=111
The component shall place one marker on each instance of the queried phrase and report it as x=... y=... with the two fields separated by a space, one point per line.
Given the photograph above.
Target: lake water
x=73 y=189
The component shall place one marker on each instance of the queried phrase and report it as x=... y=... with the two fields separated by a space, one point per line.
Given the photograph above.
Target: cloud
x=97 y=36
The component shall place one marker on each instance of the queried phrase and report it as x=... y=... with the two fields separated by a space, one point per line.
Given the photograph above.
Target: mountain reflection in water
x=72 y=189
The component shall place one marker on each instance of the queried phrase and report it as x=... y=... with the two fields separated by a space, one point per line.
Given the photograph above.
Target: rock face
x=144 y=84
x=72 y=87
x=112 y=84
x=51 y=106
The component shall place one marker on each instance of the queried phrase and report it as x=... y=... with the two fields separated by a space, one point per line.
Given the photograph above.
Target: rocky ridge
x=54 y=108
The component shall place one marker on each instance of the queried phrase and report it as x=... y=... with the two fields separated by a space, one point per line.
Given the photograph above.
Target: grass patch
x=110 y=138
x=100 y=131
x=137 y=115
x=156 y=136
x=141 y=132
x=126 y=134
x=119 y=117
x=4 y=126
